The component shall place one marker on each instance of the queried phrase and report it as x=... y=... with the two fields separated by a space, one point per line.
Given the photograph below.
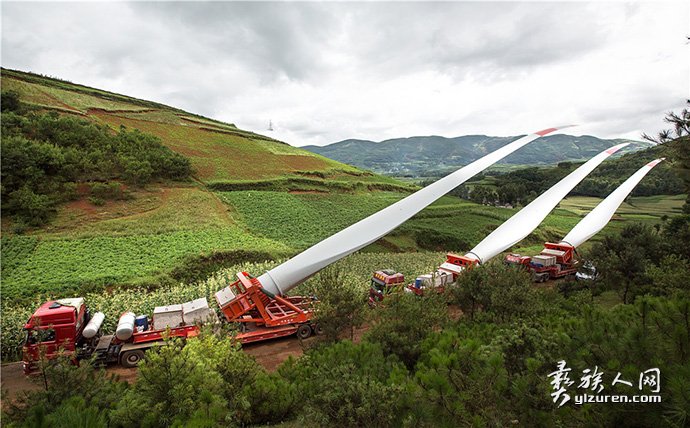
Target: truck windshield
x=39 y=336
x=376 y=286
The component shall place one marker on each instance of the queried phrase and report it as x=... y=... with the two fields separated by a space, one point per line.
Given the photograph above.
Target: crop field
x=221 y=155
x=356 y=270
x=150 y=211
x=54 y=97
x=649 y=206
x=303 y=219
x=62 y=265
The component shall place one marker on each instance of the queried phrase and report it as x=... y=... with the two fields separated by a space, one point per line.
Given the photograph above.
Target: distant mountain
x=434 y=155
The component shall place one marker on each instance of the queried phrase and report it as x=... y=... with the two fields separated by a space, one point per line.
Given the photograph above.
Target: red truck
x=384 y=282
x=555 y=261
x=67 y=326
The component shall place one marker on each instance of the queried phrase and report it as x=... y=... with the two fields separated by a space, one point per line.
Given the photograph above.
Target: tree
x=348 y=384
x=404 y=321
x=503 y=292
x=679 y=136
x=341 y=305
x=623 y=259
x=671 y=276
x=171 y=380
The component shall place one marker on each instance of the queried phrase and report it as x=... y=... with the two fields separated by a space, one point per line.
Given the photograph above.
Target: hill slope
x=434 y=155
x=167 y=230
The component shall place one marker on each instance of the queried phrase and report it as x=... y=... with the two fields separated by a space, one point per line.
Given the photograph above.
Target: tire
x=131 y=359
x=318 y=330
x=303 y=331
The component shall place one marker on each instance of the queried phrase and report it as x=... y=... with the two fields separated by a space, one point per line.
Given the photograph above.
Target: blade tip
x=655 y=162
x=550 y=130
x=615 y=148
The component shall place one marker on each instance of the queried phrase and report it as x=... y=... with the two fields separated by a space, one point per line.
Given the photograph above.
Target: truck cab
x=382 y=283
x=56 y=326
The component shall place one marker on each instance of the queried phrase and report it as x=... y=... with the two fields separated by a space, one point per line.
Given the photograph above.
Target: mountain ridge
x=425 y=155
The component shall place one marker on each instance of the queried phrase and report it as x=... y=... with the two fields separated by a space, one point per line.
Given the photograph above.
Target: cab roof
x=55 y=312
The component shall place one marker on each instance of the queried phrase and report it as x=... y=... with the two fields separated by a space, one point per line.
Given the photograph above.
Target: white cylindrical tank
x=94 y=325
x=125 y=327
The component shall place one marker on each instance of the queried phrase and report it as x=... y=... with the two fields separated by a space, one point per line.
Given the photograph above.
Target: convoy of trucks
x=260 y=306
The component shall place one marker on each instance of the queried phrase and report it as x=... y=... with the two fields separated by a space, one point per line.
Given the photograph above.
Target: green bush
x=97 y=201
x=106 y=190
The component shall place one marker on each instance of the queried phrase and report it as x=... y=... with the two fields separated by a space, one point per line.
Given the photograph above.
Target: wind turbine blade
x=291 y=273
x=527 y=219
x=602 y=213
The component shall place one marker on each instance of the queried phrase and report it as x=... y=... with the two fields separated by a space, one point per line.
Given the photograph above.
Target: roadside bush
x=347 y=384
x=404 y=321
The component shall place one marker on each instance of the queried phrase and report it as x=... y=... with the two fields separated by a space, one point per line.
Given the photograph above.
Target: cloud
x=323 y=72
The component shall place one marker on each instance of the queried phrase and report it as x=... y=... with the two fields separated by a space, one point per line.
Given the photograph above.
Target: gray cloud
x=329 y=71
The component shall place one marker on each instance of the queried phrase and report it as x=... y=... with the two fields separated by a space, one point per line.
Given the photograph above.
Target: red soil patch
x=83 y=206
x=302 y=192
x=301 y=163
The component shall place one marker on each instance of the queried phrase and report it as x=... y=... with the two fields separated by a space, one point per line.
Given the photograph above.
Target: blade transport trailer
x=558 y=260
x=511 y=231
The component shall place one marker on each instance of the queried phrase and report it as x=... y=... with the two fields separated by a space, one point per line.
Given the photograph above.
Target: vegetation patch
x=303 y=219
x=62 y=266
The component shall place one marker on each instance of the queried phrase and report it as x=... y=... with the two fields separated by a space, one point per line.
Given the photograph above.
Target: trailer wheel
x=303 y=331
x=132 y=359
x=318 y=330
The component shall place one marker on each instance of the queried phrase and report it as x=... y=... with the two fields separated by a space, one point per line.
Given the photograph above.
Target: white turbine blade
x=291 y=273
x=527 y=219
x=602 y=213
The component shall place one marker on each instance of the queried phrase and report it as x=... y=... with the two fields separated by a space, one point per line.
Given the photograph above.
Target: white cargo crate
x=544 y=260
x=167 y=316
x=195 y=311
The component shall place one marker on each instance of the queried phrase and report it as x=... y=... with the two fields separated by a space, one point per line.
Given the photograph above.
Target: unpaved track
x=269 y=354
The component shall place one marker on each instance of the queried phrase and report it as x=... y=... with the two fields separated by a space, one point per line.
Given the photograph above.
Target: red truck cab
x=382 y=283
x=56 y=326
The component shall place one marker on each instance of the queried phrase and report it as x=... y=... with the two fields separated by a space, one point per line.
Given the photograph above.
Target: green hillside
x=165 y=230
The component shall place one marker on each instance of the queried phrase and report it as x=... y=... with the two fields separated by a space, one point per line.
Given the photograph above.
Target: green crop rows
x=300 y=220
x=56 y=266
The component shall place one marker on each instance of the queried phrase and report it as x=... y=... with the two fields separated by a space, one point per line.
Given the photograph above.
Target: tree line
x=46 y=155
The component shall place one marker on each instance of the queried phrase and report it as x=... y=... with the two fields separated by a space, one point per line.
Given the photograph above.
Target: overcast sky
x=324 y=72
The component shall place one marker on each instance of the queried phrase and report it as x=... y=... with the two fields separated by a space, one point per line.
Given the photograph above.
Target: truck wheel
x=303 y=331
x=132 y=359
x=318 y=330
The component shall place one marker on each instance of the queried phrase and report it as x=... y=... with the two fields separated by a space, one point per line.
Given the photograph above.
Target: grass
x=152 y=211
x=59 y=265
x=303 y=219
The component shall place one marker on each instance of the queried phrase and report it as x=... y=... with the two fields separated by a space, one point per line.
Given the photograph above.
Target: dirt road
x=269 y=354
